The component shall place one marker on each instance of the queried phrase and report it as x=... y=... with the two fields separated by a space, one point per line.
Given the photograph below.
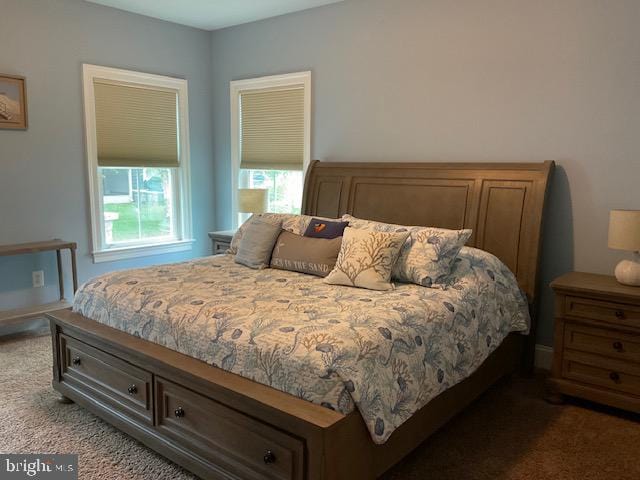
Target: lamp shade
x=624 y=230
x=252 y=200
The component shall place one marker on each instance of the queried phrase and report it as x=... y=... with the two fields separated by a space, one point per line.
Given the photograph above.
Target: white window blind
x=272 y=129
x=136 y=127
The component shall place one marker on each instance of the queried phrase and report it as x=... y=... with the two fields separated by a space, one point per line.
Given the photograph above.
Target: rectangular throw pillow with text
x=428 y=254
x=315 y=256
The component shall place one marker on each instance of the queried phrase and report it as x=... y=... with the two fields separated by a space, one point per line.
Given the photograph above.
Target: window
x=284 y=187
x=138 y=157
x=270 y=139
x=138 y=204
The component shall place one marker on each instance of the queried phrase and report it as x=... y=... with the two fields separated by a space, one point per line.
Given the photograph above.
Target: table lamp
x=624 y=234
x=252 y=200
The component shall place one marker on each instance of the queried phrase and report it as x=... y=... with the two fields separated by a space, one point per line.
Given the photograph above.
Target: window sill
x=122 y=253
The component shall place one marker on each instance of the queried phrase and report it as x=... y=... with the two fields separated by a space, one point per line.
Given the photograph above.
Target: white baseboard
x=544 y=357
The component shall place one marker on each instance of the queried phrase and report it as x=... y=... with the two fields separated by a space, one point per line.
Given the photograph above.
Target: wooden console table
x=19 y=314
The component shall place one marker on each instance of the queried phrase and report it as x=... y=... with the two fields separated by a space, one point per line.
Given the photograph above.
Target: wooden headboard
x=502 y=202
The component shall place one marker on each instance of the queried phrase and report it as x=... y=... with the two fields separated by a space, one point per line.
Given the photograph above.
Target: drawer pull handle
x=76 y=361
x=619 y=314
x=179 y=412
x=615 y=376
x=132 y=389
x=269 y=457
x=617 y=346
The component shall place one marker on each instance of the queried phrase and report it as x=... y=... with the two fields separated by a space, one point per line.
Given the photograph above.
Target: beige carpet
x=509 y=433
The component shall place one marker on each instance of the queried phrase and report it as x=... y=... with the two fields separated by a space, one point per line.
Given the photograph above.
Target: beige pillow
x=257 y=244
x=315 y=256
x=366 y=259
x=272 y=218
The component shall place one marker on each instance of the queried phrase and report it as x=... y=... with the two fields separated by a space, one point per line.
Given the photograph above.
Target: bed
x=297 y=410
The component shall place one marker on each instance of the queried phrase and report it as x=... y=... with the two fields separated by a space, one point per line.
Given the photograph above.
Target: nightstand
x=221 y=241
x=597 y=341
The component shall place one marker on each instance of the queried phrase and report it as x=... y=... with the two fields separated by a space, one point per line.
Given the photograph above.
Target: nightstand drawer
x=597 y=341
x=220 y=247
x=602 y=342
x=221 y=241
x=602 y=372
x=614 y=313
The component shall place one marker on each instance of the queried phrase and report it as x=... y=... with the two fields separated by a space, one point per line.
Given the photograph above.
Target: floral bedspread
x=388 y=353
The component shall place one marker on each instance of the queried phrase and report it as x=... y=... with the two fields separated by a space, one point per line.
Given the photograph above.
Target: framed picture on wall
x=13 y=102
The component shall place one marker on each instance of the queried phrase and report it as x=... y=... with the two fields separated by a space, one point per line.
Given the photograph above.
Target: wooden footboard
x=223 y=426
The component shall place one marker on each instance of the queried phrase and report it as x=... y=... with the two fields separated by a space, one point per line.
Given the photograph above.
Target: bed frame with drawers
x=223 y=426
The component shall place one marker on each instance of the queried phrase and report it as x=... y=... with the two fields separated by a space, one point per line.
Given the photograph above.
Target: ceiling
x=212 y=14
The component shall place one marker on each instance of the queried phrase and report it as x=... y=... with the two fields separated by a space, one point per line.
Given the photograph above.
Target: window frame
x=182 y=176
x=236 y=88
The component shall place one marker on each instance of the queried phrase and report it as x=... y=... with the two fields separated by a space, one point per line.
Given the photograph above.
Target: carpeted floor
x=509 y=433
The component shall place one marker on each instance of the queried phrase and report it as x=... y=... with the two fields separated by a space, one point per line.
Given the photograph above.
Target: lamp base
x=628 y=271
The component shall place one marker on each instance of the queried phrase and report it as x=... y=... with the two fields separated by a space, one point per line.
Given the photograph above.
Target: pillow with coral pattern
x=427 y=256
x=366 y=259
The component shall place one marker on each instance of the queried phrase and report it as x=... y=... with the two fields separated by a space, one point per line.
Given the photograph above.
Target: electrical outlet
x=37 y=278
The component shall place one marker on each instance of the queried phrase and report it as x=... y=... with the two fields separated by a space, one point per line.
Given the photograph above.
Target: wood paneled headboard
x=502 y=202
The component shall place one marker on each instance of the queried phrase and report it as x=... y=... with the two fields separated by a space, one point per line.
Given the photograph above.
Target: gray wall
x=465 y=80
x=43 y=179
